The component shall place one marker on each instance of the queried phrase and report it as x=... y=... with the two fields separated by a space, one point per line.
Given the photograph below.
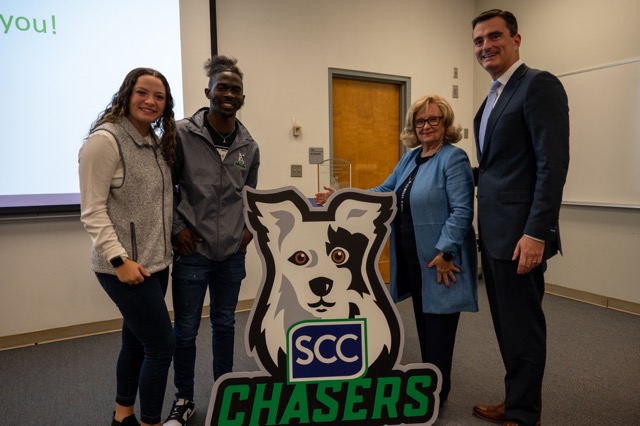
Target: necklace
x=406 y=186
x=224 y=138
x=412 y=176
x=436 y=151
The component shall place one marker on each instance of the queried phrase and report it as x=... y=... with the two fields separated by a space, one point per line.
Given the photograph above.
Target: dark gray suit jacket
x=523 y=167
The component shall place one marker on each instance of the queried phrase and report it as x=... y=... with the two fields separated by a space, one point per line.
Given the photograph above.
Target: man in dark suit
x=523 y=157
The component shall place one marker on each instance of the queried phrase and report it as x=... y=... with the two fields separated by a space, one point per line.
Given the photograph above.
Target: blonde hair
x=452 y=133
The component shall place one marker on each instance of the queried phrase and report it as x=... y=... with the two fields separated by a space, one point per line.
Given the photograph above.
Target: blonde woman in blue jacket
x=433 y=246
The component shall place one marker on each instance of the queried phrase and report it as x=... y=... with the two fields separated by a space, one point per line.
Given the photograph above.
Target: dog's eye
x=299 y=258
x=339 y=256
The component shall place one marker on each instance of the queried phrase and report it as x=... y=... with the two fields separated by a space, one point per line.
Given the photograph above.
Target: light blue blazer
x=442 y=210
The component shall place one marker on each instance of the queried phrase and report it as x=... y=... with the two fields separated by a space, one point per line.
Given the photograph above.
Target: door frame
x=402 y=81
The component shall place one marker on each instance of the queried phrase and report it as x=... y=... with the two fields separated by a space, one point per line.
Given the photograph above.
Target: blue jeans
x=192 y=275
x=147 y=342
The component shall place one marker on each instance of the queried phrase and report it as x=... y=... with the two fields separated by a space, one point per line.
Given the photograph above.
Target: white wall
x=601 y=245
x=45 y=281
x=285 y=48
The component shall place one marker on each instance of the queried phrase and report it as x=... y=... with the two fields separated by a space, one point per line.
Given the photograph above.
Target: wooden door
x=366 y=128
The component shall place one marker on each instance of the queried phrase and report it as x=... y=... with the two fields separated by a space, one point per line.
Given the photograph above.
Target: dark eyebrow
x=490 y=35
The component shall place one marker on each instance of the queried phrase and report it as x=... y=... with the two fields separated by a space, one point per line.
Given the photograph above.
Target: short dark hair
x=509 y=19
x=221 y=63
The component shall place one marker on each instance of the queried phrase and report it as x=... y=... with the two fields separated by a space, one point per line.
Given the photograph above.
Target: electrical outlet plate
x=296 y=170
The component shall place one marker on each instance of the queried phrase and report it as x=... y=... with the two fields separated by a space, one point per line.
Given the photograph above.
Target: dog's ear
x=278 y=219
x=274 y=212
x=362 y=216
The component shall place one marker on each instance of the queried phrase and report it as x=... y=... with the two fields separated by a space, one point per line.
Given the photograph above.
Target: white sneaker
x=181 y=411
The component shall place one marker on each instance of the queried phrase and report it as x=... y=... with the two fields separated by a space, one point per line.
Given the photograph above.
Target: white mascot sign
x=323 y=329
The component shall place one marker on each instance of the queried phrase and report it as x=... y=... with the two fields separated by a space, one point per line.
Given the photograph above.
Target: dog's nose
x=321 y=286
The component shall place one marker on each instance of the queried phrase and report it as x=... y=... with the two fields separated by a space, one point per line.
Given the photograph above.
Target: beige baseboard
x=58 y=334
x=594 y=299
x=83 y=330
x=110 y=326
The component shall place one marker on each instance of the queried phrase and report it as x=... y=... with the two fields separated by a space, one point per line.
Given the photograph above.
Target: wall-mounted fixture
x=297 y=128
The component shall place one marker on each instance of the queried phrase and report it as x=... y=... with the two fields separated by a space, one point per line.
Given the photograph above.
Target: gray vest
x=141 y=209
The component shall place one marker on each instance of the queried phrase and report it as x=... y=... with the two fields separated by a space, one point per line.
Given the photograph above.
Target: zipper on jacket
x=134 y=245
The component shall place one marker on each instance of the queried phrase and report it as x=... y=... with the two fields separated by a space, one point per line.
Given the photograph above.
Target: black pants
x=436 y=332
x=437 y=335
x=519 y=322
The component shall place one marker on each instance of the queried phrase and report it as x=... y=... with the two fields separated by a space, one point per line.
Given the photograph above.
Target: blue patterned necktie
x=491 y=99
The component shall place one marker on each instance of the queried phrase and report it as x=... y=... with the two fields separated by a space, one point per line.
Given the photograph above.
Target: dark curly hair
x=119 y=107
x=221 y=63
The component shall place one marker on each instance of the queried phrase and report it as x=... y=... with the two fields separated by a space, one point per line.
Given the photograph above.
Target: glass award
x=334 y=172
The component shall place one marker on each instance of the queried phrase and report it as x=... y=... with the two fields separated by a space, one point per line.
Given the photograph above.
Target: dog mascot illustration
x=323 y=329
x=320 y=263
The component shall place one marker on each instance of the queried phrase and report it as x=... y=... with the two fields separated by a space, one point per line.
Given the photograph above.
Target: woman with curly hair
x=127 y=208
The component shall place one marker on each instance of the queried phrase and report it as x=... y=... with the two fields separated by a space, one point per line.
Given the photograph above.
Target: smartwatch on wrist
x=117 y=261
x=447 y=256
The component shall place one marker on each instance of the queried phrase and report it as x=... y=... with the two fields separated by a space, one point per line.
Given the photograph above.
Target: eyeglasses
x=433 y=121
